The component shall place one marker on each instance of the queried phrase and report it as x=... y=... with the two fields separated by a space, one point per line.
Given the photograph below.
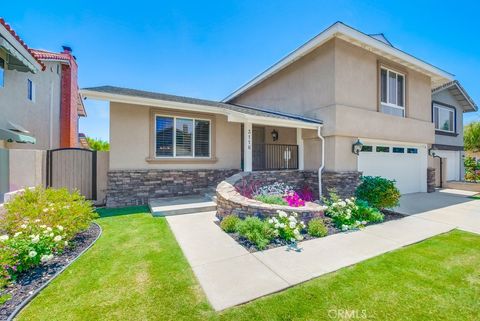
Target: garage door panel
x=406 y=169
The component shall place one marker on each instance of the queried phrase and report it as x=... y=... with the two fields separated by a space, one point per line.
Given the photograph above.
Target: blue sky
x=208 y=49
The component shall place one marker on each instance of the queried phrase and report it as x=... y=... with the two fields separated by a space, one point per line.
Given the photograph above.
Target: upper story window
x=2 y=72
x=444 y=118
x=181 y=137
x=392 y=92
x=30 y=90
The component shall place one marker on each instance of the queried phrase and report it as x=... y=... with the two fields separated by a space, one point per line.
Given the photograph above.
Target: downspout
x=323 y=162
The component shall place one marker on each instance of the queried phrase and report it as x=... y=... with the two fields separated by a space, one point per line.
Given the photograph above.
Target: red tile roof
x=20 y=41
x=48 y=55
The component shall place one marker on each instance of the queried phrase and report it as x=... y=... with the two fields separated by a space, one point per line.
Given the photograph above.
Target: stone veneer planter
x=229 y=201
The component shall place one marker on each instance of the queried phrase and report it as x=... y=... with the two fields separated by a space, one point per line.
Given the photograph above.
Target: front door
x=258 y=152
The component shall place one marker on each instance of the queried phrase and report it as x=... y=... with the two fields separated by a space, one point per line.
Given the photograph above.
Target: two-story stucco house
x=343 y=104
x=39 y=99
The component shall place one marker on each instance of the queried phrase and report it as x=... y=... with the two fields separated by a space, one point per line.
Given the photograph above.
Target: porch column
x=247 y=147
x=301 y=150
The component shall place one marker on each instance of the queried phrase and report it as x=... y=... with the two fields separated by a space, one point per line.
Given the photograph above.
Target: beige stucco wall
x=338 y=83
x=286 y=136
x=33 y=116
x=130 y=131
x=26 y=168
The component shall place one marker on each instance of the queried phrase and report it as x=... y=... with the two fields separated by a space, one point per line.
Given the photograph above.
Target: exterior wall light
x=274 y=135
x=357 y=147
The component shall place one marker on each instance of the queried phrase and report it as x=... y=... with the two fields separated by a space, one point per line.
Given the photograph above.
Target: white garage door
x=406 y=164
x=453 y=163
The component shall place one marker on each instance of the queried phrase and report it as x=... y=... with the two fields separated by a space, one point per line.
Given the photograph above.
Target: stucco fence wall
x=230 y=201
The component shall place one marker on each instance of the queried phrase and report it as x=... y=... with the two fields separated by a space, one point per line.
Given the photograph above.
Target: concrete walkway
x=230 y=275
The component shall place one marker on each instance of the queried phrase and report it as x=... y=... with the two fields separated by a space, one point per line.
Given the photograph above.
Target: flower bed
x=231 y=201
x=31 y=281
x=38 y=226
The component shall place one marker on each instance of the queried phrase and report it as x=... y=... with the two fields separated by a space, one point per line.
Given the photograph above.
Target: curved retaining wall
x=229 y=201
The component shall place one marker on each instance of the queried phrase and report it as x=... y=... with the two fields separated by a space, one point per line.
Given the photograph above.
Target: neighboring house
x=39 y=96
x=449 y=102
x=341 y=91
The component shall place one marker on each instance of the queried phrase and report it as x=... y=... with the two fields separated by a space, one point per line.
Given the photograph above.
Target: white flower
x=66 y=243
x=24 y=226
x=269 y=221
x=60 y=228
x=49 y=229
x=45 y=258
x=296 y=232
x=342 y=203
x=57 y=238
x=282 y=225
x=299 y=237
x=3 y=238
x=52 y=235
x=45 y=210
x=302 y=224
x=282 y=214
x=292 y=224
x=43 y=226
x=32 y=254
x=35 y=239
x=37 y=221
x=277 y=225
x=17 y=234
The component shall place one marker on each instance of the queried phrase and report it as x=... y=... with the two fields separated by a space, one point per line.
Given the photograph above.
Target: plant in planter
x=293 y=199
x=276 y=188
x=287 y=226
x=317 y=228
x=271 y=199
x=306 y=193
x=230 y=223
x=379 y=192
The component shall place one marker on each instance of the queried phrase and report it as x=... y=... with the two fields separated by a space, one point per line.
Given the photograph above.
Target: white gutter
x=320 y=192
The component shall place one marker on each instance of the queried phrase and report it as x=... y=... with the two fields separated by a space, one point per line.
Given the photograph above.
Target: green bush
x=317 y=228
x=379 y=192
x=271 y=199
x=50 y=207
x=229 y=223
x=367 y=213
x=256 y=231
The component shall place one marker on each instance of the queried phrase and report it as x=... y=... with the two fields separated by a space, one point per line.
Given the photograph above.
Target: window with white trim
x=392 y=92
x=181 y=137
x=444 y=118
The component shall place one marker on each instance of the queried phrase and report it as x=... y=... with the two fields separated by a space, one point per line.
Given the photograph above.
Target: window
x=392 y=92
x=2 y=72
x=444 y=118
x=398 y=150
x=412 y=151
x=367 y=148
x=30 y=90
x=382 y=149
x=182 y=137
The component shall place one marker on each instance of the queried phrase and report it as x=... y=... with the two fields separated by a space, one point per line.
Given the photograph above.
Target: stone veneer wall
x=344 y=183
x=136 y=187
x=230 y=201
x=430 y=180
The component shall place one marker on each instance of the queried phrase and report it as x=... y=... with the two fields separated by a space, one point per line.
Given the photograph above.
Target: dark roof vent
x=67 y=49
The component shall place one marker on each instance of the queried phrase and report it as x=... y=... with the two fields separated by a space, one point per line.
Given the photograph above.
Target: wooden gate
x=73 y=168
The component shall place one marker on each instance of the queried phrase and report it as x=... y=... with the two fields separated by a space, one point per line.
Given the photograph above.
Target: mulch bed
x=30 y=281
x=250 y=247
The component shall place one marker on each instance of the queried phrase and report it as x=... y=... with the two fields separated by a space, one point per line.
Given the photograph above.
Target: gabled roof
x=358 y=38
x=141 y=97
x=460 y=94
x=14 y=37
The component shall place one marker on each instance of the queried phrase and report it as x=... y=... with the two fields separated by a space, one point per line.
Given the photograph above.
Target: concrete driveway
x=453 y=207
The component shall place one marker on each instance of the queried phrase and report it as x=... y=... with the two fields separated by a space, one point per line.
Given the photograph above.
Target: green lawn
x=136 y=271
x=476 y=196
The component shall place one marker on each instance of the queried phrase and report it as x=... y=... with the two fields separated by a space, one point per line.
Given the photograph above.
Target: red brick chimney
x=69 y=101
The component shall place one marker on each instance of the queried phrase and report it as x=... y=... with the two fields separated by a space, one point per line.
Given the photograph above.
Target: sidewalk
x=230 y=275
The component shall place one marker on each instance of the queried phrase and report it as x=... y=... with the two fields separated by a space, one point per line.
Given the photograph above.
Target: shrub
x=306 y=193
x=271 y=199
x=256 y=231
x=248 y=188
x=287 y=227
x=379 y=192
x=367 y=213
x=342 y=212
x=317 y=228
x=279 y=189
x=229 y=223
x=50 y=207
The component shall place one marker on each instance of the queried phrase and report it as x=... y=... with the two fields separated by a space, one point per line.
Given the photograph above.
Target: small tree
x=471 y=137
x=98 y=144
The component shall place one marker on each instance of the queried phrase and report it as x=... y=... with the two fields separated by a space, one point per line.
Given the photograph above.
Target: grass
x=476 y=196
x=136 y=271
